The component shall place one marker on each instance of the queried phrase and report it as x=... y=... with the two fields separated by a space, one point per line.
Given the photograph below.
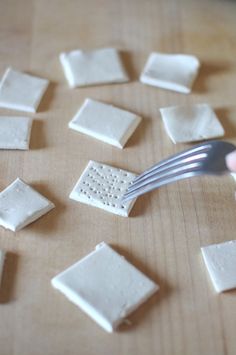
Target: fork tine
x=172 y=160
x=179 y=166
x=175 y=175
x=167 y=168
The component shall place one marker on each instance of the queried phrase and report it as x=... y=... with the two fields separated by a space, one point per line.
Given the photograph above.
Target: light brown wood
x=166 y=228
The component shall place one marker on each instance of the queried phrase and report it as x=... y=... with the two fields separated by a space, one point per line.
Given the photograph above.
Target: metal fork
x=205 y=158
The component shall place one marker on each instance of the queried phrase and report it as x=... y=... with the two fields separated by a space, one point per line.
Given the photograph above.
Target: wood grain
x=166 y=228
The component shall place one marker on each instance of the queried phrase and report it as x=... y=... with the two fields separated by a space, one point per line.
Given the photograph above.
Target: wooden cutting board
x=166 y=229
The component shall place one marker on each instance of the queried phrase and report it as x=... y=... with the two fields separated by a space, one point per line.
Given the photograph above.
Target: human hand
x=231 y=161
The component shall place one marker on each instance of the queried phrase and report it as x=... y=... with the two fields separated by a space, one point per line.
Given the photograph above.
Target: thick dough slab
x=103 y=186
x=105 y=286
x=220 y=260
x=20 y=205
x=23 y=92
x=191 y=123
x=15 y=132
x=105 y=122
x=101 y=66
x=175 y=72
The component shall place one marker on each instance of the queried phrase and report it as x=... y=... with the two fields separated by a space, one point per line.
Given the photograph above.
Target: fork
x=205 y=158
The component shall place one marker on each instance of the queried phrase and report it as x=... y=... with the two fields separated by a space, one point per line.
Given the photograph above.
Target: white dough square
x=175 y=72
x=103 y=186
x=220 y=260
x=2 y=257
x=191 y=123
x=20 y=205
x=101 y=66
x=105 y=286
x=105 y=122
x=20 y=91
x=15 y=132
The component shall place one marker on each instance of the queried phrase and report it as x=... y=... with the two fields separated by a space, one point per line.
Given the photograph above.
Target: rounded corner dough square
x=175 y=72
x=20 y=91
x=105 y=122
x=101 y=66
x=15 y=132
x=105 y=286
x=103 y=186
x=21 y=205
x=220 y=260
x=191 y=123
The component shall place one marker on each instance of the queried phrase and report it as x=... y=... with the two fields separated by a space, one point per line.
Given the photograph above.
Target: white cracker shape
x=103 y=186
x=220 y=260
x=15 y=132
x=101 y=66
x=105 y=122
x=19 y=91
x=175 y=72
x=2 y=257
x=191 y=123
x=20 y=205
x=105 y=286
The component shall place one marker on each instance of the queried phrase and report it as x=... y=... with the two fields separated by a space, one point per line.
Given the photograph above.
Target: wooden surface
x=166 y=228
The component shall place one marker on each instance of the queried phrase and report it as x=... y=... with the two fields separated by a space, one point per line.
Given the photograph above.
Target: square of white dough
x=105 y=122
x=15 y=132
x=103 y=186
x=101 y=66
x=20 y=205
x=2 y=257
x=175 y=72
x=105 y=286
x=191 y=123
x=20 y=91
x=220 y=260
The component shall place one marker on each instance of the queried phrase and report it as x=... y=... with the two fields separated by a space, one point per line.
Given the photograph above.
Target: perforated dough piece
x=220 y=260
x=103 y=186
x=2 y=257
x=105 y=122
x=105 y=286
x=20 y=205
x=101 y=66
x=191 y=123
x=15 y=132
x=20 y=91
x=175 y=72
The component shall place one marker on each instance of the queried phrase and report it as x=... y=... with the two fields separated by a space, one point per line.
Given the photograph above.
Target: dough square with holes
x=20 y=205
x=101 y=66
x=220 y=260
x=105 y=286
x=2 y=257
x=20 y=91
x=105 y=122
x=103 y=186
x=175 y=72
x=15 y=132
x=191 y=123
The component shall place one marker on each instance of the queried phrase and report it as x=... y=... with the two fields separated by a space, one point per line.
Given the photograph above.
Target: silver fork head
x=205 y=158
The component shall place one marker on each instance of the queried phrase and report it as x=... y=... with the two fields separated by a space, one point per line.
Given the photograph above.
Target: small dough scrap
x=103 y=186
x=15 y=132
x=20 y=91
x=20 y=205
x=191 y=123
x=101 y=66
x=105 y=122
x=175 y=72
x=220 y=260
x=2 y=257
x=105 y=286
